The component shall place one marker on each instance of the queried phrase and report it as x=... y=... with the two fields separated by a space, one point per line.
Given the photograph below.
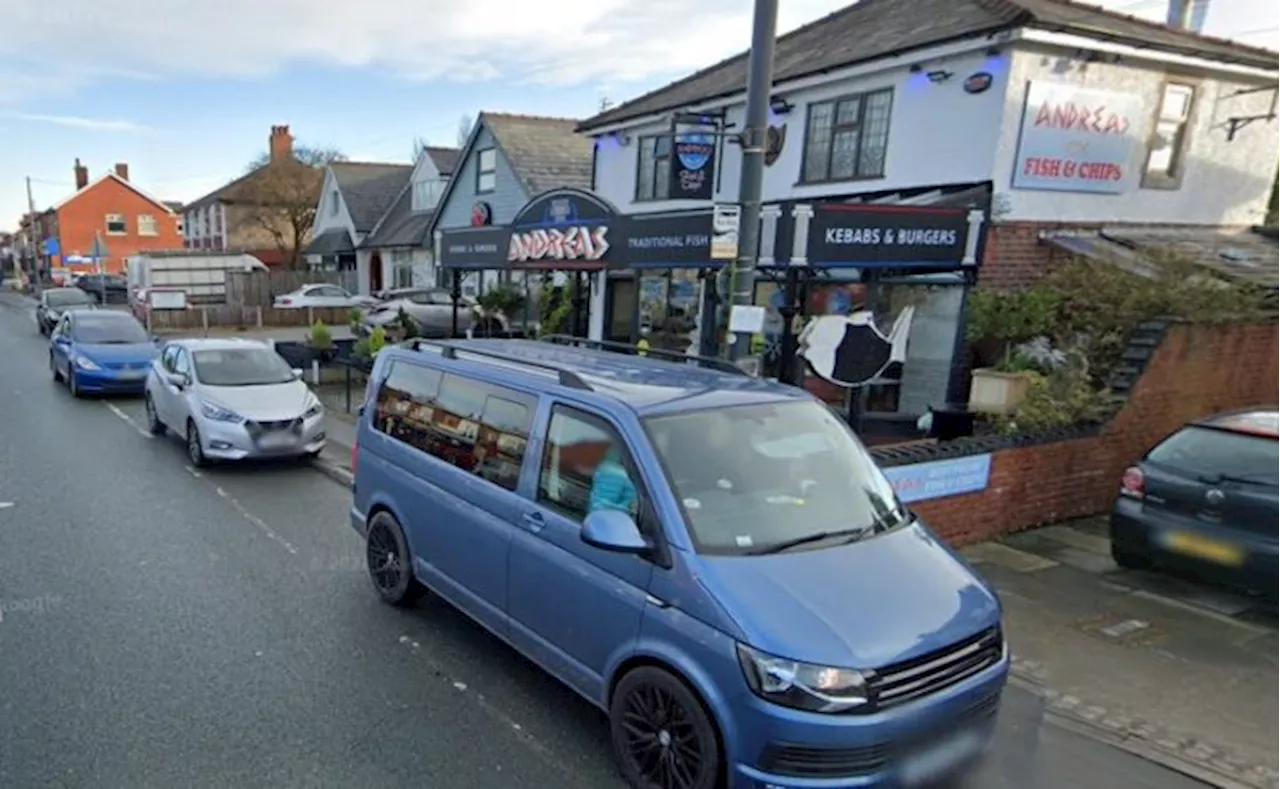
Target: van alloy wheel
x=661 y=733
x=388 y=561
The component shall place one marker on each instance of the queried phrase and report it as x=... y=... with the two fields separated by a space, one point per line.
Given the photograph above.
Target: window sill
x=837 y=181
x=1165 y=183
x=117 y=233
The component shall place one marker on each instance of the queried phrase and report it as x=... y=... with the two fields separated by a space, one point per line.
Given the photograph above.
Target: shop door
x=621 y=312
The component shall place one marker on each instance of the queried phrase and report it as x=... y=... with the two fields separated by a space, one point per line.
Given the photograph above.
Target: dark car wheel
x=53 y=368
x=195 y=450
x=390 y=565
x=1128 y=560
x=154 y=425
x=72 y=385
x=662 y=736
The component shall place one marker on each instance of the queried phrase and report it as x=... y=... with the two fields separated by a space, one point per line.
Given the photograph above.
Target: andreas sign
x=587 y=243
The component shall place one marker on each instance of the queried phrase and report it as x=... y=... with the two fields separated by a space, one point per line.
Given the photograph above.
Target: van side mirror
x=611 y=530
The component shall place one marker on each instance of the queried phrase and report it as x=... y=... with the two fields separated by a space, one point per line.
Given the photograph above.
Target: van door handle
x=534 y=521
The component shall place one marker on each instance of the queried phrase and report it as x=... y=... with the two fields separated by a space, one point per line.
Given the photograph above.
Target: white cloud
x=548 y=42
x=78 y=122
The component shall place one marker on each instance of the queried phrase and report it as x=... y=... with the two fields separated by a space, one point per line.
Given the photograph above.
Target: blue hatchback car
x=714 y=560
x=101 y=352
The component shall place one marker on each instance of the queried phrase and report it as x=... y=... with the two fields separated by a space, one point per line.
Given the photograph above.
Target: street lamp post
x=742 y=276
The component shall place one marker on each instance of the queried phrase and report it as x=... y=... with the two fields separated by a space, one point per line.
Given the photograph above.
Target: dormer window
x=427 y=193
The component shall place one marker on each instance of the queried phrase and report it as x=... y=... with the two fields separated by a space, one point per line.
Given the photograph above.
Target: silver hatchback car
x=232 y=399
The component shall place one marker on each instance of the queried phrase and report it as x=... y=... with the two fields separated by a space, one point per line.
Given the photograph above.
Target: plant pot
x=996 y=392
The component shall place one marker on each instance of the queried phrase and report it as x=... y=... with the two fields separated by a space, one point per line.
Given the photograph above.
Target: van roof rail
x=711 y=362
x=449 y=351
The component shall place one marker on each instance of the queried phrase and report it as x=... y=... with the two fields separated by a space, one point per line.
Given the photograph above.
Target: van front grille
x=932 y=672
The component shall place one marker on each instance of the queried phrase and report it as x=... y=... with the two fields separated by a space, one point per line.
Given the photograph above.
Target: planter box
x=994 y=392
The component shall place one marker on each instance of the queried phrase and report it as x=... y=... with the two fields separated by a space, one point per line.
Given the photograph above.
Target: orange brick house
x=127 y=219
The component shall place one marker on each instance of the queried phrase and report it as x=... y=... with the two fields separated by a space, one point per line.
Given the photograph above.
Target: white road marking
x=191 y=470
x=255 y=520
x=113 y=408
x=4 y=505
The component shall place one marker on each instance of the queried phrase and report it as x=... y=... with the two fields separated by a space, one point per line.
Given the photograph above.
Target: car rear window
x=1211 y=453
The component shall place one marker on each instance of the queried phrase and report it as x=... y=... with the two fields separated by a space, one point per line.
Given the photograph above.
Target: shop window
x=480 y=428
x=669 y=303
x=486 y=170
x=586 y=467
x=653 y=168
x=847 y=138
x=1168 y=141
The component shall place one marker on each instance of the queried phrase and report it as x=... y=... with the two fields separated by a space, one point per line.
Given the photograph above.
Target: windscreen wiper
x=787 y=545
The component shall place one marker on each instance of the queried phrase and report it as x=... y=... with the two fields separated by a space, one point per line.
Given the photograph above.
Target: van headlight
x=802 y=686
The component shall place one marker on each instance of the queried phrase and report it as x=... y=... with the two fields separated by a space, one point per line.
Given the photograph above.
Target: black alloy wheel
x=389 y=563
x=195 y=450
x=662 y=735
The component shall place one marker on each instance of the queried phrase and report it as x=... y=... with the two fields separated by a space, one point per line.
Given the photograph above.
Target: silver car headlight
x=219 y=414
x=313 y=409
x=802 y=686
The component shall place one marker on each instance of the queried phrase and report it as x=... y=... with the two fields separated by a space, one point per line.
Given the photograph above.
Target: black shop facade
x=628 y=276
x=655 y=277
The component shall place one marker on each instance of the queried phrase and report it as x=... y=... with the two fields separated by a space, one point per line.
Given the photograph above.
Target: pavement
x=162 y=626
x=1184 y=672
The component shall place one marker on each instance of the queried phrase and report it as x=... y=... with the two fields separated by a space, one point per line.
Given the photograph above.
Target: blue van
x=712 y=559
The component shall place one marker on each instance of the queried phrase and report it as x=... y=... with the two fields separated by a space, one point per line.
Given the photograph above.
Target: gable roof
x=126 y=183
x=544 y=153
x=400 y=226
x=873 y=29
x=369 y=189
x=445 y=159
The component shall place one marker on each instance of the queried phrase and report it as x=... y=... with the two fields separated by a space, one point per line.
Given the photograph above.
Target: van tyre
x=154 y=426
x=389 y=563
x=662 y=735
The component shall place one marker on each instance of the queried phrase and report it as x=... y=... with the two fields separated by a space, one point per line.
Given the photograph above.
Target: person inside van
x=611 y=486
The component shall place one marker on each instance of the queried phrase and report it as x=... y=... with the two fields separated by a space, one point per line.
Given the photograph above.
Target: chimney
x=1187 y=14
x=122 y=170
x=82 y=176
x=280 y=144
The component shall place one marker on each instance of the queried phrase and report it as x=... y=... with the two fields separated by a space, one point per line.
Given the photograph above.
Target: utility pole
x=31 y=235
x=742 y=277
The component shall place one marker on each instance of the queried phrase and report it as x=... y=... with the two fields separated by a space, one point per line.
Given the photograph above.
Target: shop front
x=629 y=278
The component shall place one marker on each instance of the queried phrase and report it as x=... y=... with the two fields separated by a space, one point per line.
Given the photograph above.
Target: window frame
x=836 y=128
x=491 y=171
x=1172 y=177
x=651 y=142
x=142 y=226
x=123 y=221
x=647 y=518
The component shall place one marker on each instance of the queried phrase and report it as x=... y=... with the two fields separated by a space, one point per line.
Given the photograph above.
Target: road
x=163 y=627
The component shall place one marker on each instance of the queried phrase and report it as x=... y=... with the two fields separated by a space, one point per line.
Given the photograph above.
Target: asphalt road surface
x=162 y=627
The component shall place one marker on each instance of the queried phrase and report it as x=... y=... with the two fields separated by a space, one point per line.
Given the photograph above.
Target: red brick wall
x=1197 y=370
x=86 y=214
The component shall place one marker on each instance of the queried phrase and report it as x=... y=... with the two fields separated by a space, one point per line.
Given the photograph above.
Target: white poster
x=1079 y=140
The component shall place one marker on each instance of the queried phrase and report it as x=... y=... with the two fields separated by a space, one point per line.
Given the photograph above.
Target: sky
x=185 y=93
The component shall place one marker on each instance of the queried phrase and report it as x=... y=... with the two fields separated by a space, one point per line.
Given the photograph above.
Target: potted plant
x=1008 y=332
x=497 y=306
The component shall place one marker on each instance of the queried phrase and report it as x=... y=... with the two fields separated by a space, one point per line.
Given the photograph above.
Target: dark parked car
x=1203 y=501
x=114 y=287
x=54 y=302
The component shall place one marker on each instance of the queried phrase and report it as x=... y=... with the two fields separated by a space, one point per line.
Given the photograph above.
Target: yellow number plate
x=1209 y=550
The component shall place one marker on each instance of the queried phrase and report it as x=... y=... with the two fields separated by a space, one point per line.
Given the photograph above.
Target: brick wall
x=84 y=216
x=1196 y=371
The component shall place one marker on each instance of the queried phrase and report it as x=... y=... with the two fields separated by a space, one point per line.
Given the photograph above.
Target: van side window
x=478 y=427
x=586 y=467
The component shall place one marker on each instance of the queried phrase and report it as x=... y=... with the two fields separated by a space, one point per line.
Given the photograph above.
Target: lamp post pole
x=742 y=276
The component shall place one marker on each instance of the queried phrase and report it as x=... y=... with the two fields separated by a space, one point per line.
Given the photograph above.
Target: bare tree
x=281 y=196
x=465 y=124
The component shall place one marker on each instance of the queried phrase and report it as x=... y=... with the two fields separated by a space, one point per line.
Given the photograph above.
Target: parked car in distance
x=714 y=560
x=105 y=288
x=321 y=295
x=100 y=351
x=232 y=399
x=431 y=310
x=55 y=301
x=1203 y=501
